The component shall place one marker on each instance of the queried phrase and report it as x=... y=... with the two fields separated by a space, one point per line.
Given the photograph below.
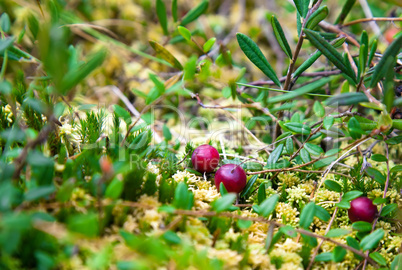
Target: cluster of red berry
x=205 y=159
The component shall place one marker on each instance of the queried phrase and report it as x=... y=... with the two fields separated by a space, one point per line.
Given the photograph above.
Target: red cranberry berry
x=362 y=209
x=205 y=158
x=232 y=176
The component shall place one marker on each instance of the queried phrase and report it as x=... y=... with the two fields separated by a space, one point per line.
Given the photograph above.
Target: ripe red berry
x=362 y=209
x=205 y=158
x=232 y=176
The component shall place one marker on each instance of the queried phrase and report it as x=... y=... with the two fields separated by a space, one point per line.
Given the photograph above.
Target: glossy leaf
x=280 y=36
x=391 y=52
x=249 y=185
x=338 y=254
x=5 y=23
x=194 y=13
x=318 y=109
x=338 y=232
x=224 y=203
x=328 y=122
x=302 y=7
x=320 y=14
x=184 y=32
x=6 y=43
x=161 y=12
x=313 y=149
x=298 y=128
x=321 y=213
x=351 y=195
x=300 y=91
x=304 y=155
x=345 y=11
x=275 y=155
x=208 y=45
x=332 y=185
x=253 y=52
x=372 y=240
x=378 y=258
x=268 y=205
x=307 y=215
x=174 y=10
x=330 y=52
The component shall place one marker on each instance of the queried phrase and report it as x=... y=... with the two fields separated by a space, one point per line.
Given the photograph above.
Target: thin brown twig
x=376 y=19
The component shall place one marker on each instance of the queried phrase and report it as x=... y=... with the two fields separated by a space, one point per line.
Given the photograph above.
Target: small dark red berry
x=362 y=209
x=205 y=158
x=232 y=176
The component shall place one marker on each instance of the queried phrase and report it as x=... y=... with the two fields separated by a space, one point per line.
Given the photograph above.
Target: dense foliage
x=103 y=104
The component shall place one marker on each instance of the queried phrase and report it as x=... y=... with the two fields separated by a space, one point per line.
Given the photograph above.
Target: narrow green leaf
x=324 y=257
x=165 y=54
x=324 y=162
x=171 y=237
x=302 y=7
x=184 y=32
x=396 y=168
x=300 y=91
x=174 y=10
x=208 y=45
x=321 y=213
x=391 y=52
x=194 y=13
x=328 y=122
x=261 y=194
x=313 y=149
x=389 y=209
x=289 y=146
x=332 y=185
x=330 y=52
x=5 y=23
x=307 y=215
x=275 y=155
x=253 y=52
x=161 y=12
x=224 y=203
x=114 y=189
x=280 y=36
x=337 y=232
x=268 y=205
x=311 y=60
x=354 y=244
x=347 y=99
x=304 y=155
x=166 y=132
x=6 y=43
x=222 y=189
x=247 y=189
x=371 y=241
x=378 y=158
x=351 y=195
x=318 y=109
x=345 y=11
x=378 y=258
x=372 y=51
x=298 y=128
x=320 y=14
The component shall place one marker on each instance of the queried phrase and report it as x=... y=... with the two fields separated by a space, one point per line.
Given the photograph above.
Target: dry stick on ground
x=377 y=19
x=383 y=196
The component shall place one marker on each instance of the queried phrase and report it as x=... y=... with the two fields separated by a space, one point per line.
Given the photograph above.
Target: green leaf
x=253 y=52
x=184 y=32
x=194 y=13
x=324 y=257
x=161 y=12
x=397 y=262
x=320 y=14
x=328 y=122
x=379 y=158
x=166 y=132
x=378 y=258
x=313 y=149
x=183 y=198
x=321 y=213
x=174 y=10
x=307 y=215
x=275 y=155
x=345 y=11
x=355 y=129
x=332 y=185
x=244 y=224
x=354 y=244
x=318 y=109
x=311 y=60
x=39 y=192
x=268 y=205
x=338 y=232
x=397 y=123
x=114 y=189
x=289 y=146
x=171 y=237
x=261 y=194
x=376 y=175
x=208 y=45
x=86 y=224
x=394 y=140
x=280 y=36
x=351 y=195
x=304 y=155
x=165 y=54
x=299 y=92
x=222 y=189
x=5 y=22
x=302 y=7
x=389 y=209
x=330 y=52
x=371 y=241
x=380 y=69
x=249 y=185
x=343 y=204
x=298 y=128
x=396 y=168
x=338 y=254
x=372 y=51
x=324 y=162
x=6 y=43
x=288 y=230
x=224 y=203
